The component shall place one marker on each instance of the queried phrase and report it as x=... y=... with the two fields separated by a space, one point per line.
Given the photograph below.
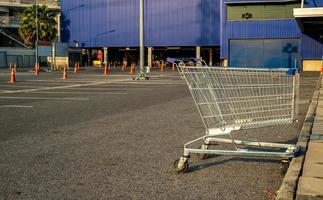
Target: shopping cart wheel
x=182 y=169
x=284 y=166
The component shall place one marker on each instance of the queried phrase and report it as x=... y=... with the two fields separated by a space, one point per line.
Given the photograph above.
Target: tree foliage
x=46 y=24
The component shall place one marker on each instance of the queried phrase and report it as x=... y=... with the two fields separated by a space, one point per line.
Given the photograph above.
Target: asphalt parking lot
x=97 y=137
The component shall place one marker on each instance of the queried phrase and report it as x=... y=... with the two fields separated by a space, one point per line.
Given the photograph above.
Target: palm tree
x=46 y=24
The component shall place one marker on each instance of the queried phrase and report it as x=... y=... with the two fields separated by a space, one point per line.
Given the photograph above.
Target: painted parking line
x=15 y=106
x=57 y=87
x=45 y=98
x=111 y=88
x=166 y=82
x=75 y=80
x=84 y=93
x=19 y=86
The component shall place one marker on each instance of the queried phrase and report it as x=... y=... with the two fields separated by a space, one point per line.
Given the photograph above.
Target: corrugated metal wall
x=258 y=1
x=260 y=29
x=114 y=23
x=311 y=48
x=268 y=29
x=313 y=3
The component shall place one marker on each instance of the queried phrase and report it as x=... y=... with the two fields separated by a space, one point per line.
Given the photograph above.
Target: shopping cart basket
x=231 y=99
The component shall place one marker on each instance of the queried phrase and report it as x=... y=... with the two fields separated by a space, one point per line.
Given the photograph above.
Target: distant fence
x=21 y=57
x=47 y=2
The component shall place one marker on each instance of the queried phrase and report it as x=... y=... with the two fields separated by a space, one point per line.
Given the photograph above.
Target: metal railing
x=9 y=21
x=47 y=2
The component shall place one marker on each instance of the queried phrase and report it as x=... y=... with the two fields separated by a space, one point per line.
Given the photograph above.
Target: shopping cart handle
x=171 y=60
x=174 y=60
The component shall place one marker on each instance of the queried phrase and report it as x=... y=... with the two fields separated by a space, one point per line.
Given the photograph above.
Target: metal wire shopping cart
x=230 y=99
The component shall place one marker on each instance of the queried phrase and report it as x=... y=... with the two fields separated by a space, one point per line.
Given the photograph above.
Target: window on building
x=261 y=12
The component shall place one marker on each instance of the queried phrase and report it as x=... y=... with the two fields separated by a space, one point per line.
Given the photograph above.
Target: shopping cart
x=231 y=99
x=178 y=62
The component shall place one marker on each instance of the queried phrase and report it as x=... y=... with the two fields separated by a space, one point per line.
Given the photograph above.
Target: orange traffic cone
x=132 y=69
x=162 y=67
x=123 y=67
x=36 y=69
x=173 y=67
x=78 y=67
x=106 y=71
x=12 y=76
x=75 y=68
x=64 y=74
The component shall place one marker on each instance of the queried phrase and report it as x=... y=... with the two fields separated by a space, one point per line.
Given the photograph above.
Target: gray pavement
x=96 y=137
x=310 y=184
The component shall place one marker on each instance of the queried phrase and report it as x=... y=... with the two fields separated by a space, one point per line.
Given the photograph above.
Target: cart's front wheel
x=284 y=166
x=180 y=169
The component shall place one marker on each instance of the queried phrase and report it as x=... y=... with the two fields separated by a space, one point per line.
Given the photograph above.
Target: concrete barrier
x=290 y=187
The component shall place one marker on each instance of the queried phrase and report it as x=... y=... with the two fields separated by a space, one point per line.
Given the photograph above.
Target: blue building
x=265 y=33
x=240 y=33
x=171 y=27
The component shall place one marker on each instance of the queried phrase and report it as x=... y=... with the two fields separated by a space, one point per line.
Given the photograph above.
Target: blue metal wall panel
x=313 y=3
x=114 y=23
x=311 y=48
x=258 y=1
x=268 y=53
x=261 y=29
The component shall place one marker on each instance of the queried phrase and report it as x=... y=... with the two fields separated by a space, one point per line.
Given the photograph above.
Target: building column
x=198 y=52
x=225 y=62
x=53 y=59
x=150 y=56
x=59 y=27
x=210 y=57
x=105 y=55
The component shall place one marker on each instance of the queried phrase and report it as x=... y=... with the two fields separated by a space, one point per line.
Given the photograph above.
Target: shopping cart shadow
x=212 y=163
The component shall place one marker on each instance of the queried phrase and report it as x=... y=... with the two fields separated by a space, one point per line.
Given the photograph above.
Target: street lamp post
x=36 y=42
x=142 y=43
x=142 y=73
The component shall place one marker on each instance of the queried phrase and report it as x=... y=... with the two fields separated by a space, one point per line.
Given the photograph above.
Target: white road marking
x=155 y=83
x=19 y=86
x=45 y=98
x=111 y=88
x=57 y=87
x=15 y=106
x=85 y=93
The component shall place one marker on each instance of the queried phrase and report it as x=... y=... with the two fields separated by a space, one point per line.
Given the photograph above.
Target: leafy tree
x=46 y=24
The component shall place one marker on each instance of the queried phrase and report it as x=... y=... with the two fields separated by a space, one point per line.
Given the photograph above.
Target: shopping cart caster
x=203 y=156
x=181 y=165
x=284 y=166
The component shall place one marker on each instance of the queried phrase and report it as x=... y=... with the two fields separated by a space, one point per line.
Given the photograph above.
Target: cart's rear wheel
x=182 y=169
x=203 y=156
x=284 y=166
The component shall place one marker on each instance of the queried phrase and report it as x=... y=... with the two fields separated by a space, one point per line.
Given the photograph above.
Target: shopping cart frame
x=215 y=136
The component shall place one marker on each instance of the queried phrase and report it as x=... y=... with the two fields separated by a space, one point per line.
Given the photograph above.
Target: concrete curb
x=288 y=188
